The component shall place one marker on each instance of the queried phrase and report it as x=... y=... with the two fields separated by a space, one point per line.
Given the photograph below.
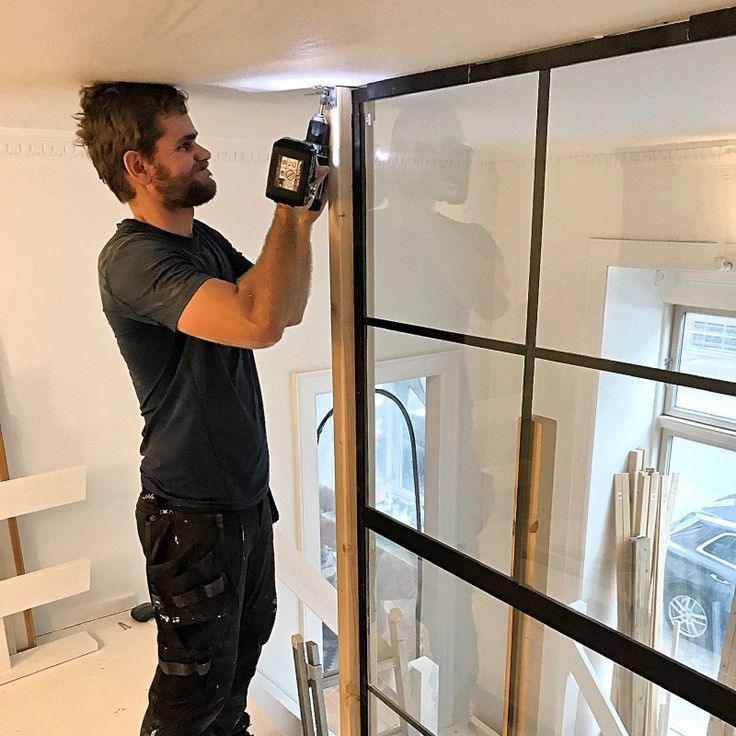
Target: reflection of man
x=432 y=269
x=187 y=310
x=436 y=271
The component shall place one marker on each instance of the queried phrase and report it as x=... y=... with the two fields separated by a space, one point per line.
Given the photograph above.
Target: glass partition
x=638 y=214
x=446 y=425
x=449 y=191
x=564 y=240
x=455 y=682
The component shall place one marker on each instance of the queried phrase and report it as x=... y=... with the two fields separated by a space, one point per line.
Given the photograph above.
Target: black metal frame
x=700 y=690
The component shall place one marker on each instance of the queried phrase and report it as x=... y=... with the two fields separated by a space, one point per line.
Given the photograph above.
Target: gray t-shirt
x=204 y=437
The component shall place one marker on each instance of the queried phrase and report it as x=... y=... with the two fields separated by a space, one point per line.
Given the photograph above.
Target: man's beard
x=178 y=192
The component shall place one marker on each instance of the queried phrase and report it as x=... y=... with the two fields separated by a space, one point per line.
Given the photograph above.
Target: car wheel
x=686 y=607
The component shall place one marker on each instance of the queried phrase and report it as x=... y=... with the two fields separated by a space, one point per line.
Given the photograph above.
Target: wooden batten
x=525 y=639
x=343 y=388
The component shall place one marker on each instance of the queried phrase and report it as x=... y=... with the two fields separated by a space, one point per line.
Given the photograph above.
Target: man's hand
x=304 y=214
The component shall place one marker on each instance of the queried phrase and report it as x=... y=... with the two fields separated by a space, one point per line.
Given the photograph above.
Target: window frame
x=673 y=361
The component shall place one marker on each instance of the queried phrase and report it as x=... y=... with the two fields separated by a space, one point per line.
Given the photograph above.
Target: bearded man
x=187 y=311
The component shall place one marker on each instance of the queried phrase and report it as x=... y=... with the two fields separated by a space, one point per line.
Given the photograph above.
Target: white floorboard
x=100 y=693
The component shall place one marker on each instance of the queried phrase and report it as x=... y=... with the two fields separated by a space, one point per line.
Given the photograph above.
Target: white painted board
x=31 y=493
x=49 y=655
x=44 y=586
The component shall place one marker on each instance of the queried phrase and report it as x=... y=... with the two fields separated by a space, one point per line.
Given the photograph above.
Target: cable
x=417 y=496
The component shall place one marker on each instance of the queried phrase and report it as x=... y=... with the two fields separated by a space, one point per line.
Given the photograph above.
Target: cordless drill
x=294 y=163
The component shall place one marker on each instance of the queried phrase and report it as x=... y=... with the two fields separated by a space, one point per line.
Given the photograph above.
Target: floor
x=100 y=693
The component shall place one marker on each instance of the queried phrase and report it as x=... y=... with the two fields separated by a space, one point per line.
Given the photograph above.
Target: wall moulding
x=55 y=145
x=44 y=144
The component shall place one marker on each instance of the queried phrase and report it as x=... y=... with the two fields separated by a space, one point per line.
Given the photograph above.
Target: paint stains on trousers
x=211 y=580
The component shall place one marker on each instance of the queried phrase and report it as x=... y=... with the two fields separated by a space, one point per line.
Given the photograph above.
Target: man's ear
x=140 y=170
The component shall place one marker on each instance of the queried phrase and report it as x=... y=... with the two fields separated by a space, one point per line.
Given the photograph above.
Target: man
x=187 y=310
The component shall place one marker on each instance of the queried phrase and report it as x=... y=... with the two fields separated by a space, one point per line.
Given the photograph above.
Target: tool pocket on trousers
x=190 y=587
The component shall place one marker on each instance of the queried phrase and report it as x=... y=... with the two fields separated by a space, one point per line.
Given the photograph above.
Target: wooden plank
x=661 y=540
x=663 y=721
x=653 y=502
x=636 y=461
x=524 y=650
x=640 y=630
x=44 y=491
x=44 y=586
x=343 y=381
x=401 y=662
x=15 y=545
x=643 y=483
x=621 y=688
x=49 y=655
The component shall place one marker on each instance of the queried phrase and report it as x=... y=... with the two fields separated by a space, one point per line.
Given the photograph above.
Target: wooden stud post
x=524 y=650
x=343 y=388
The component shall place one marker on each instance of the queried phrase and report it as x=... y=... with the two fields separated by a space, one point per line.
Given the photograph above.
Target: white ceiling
x=282 y=44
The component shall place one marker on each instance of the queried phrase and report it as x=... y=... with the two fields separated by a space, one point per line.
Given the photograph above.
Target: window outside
x=699 y=445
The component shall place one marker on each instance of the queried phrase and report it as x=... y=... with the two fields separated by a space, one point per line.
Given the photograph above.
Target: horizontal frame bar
x=578 y=360
x=648 y=39
x=475 y=341
x=399 y=711
x=677 y=678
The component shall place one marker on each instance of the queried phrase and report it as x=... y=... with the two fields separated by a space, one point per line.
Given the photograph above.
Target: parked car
x=700 y=572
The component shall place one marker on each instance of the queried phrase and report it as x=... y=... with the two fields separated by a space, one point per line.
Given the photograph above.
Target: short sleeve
x=240 y=263
x=149 y=280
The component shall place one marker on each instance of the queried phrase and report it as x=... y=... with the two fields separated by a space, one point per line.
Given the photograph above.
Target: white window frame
x=442 y=373
x=690 y=425
x=678 y=329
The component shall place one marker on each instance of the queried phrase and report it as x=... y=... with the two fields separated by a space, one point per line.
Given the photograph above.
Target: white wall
x=65 y=395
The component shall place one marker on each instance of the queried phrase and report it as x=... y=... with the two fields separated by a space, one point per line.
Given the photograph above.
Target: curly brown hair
x=117 y=117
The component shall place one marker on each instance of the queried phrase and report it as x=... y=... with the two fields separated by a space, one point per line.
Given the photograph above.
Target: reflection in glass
x=399 y=418
x=707 y=348
x=673 y=561
x=453 y=476
x=700 y=573
x=461 y=687
x=450 y=186
x=637 y=210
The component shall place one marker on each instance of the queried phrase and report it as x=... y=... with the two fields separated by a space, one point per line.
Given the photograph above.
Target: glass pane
x=456 y=681
x=628 y=544
x=450 y=182
x=326 y=480
x=708 y=348
x=400 y=446
x=638 y=212
x=700 y=571
x=454 y=475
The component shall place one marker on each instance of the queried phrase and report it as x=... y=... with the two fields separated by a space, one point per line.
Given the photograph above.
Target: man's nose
x=202 y=153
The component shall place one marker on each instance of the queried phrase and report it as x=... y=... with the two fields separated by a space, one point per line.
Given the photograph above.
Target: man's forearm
x=276 y=288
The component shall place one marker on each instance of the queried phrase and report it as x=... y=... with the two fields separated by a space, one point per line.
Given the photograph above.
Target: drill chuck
x=294 y=163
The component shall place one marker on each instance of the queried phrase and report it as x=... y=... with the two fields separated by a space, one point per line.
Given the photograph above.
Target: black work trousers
x=211 y=580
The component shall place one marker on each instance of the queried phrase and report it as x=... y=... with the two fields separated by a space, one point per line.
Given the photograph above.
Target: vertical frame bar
x=514 y=719
x=361 y=394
